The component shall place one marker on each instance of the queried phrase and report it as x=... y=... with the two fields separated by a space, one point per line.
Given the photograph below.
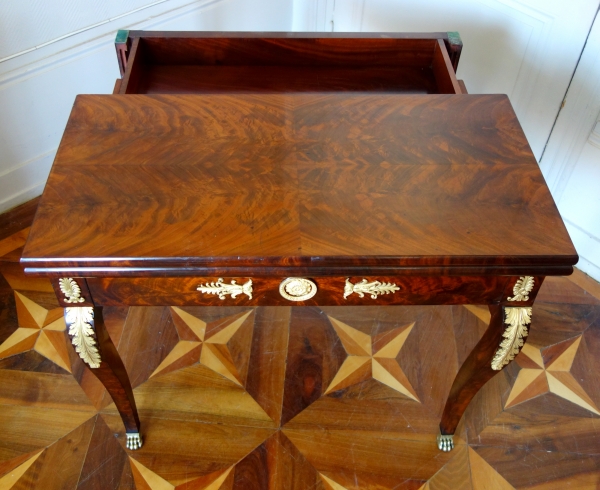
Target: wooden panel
x=451 y=41
x=269 y=345
x=409 y=180
x=203 y=430
x=191 y=79
x=132 y=78
x=247 y=63
x=321 y=51
x=330 y=291
x=442 y=69
x=59 y=467
x=117 y=86
x=17 y=219
x=314 y=357
x=105 y=452
x=287 y=469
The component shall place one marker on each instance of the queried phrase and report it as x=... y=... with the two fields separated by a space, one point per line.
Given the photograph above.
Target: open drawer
x=244 y=62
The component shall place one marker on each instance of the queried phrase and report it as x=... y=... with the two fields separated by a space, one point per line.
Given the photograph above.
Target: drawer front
x=311 y=291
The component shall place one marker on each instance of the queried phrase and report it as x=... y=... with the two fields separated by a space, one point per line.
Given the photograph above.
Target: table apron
x=266 y=291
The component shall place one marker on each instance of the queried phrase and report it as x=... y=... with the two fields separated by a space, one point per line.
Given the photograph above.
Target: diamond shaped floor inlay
x=297 y=398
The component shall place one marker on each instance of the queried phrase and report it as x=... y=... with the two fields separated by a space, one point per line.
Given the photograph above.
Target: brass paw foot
x=134 y=440
x=445 y=442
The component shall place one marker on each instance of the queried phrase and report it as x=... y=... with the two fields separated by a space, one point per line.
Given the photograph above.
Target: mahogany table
x=296 y=197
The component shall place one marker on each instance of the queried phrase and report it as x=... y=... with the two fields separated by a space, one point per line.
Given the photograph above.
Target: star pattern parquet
x=296 y=398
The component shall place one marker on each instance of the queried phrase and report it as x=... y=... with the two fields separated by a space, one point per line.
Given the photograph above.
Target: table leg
x=499 y=345
x=93 y=344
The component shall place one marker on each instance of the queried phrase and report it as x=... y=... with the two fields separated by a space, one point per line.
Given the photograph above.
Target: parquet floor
x=296 y=398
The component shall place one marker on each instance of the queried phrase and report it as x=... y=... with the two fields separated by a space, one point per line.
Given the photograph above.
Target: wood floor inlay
x=297 y=397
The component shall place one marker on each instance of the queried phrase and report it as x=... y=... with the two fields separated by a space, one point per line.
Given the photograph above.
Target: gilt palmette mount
x=522 y=289
x=71 y=290
x=373 y=288
x=222 y=290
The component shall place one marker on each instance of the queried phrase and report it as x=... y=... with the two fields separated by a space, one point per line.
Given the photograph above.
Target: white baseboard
x=590 y=269
x=24 y=182
x=38 y=86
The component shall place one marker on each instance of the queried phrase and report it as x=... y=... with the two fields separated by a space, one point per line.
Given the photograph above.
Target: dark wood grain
x=159 y=330
x=443 y=71
x=364 y=436
x=404 y=180
x=194 y=79
x=330 y=291
x=151 y=195
x=454 y=47
x=132 y=76
x=59 y=467
x=117 y=86
x=266 y=49
x=314 y=356
x=113 y=375
x=474 y=372
x=269 y=347
x=276 y=463
x=222 y=64
x=104 y=453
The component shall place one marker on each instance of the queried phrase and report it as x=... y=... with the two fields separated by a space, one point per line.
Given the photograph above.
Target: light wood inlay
x=13 y=475
x=362 y=364
x=207 y=431
x=549 y=371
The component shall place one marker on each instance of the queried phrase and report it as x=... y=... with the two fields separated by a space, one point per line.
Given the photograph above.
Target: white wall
x=52 y=50
x=571 y=162
x=527 y=49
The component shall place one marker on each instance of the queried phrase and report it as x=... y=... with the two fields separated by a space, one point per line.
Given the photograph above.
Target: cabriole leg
x=93 y=344
x=499 y=345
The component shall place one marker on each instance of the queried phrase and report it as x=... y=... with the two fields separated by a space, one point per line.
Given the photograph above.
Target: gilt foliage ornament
x=522 y=289
x=297 y=289
x=71 y=290
x=517 y=320
x=221 y=289
x=80 y=320
x=374 y=288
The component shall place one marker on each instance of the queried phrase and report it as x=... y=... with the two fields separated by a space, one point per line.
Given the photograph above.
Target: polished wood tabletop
x=295 y=197
x=275 y=181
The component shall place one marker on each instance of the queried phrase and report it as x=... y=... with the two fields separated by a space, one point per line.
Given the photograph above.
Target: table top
x=272 y=180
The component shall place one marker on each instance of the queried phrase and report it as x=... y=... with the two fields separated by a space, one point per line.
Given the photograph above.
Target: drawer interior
x=193 y=64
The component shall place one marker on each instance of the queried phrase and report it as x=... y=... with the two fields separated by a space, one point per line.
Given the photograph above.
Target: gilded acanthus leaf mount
x=517 y=320
x=522 y=289
x=79 y=321
x=71 y=290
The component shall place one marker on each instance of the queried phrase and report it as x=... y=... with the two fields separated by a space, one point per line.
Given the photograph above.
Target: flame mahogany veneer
x=262 y=158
